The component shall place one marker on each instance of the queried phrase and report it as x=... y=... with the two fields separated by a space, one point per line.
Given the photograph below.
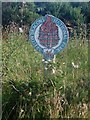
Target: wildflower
x=20 y=30
x=46 y=62
x=80 y=44
x=53 y=70
x=64 y=63
x=22 y=110
x=46 y=68
x=43 y=60
x=75 y=66
x=30 y=93
x=49 y=60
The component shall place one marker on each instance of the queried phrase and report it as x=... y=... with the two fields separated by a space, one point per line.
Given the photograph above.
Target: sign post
x=49 y=36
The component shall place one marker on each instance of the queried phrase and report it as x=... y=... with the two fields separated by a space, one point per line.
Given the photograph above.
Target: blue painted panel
x=48 y=35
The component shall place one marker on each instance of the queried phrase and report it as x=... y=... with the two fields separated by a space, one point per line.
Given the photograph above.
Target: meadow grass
x=27 y=93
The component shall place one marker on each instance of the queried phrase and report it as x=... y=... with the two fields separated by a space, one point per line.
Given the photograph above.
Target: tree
x=18 y=12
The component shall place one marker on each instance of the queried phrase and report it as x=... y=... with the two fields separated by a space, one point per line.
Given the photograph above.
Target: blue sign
x=48 y=35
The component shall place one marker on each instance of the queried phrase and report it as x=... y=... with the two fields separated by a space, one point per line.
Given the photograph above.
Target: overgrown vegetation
x=30 y=92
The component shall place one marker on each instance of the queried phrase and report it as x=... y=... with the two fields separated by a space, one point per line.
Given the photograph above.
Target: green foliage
x=25 y=100
x=29 y=93
x=25 y=13
x=18 y=12
x=64 y=11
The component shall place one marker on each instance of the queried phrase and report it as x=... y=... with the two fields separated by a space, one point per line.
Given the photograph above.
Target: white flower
x=75 y=66
x=49 y=60
x=30 y=93
x=43 y=60
x=46 y=61
x=53 y=70
x=46 y=68
x=20 y=30
x=22 y=110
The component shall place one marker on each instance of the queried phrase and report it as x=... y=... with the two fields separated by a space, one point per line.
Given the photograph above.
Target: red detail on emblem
x=48 y=34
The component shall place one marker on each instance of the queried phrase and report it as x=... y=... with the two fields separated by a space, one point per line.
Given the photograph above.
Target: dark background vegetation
x=74 y=12
x=28 y=93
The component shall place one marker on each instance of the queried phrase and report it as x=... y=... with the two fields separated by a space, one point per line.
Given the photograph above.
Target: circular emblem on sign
x=48 y=35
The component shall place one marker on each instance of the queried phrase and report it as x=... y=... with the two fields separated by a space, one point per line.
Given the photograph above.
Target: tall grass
x=28 y=94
